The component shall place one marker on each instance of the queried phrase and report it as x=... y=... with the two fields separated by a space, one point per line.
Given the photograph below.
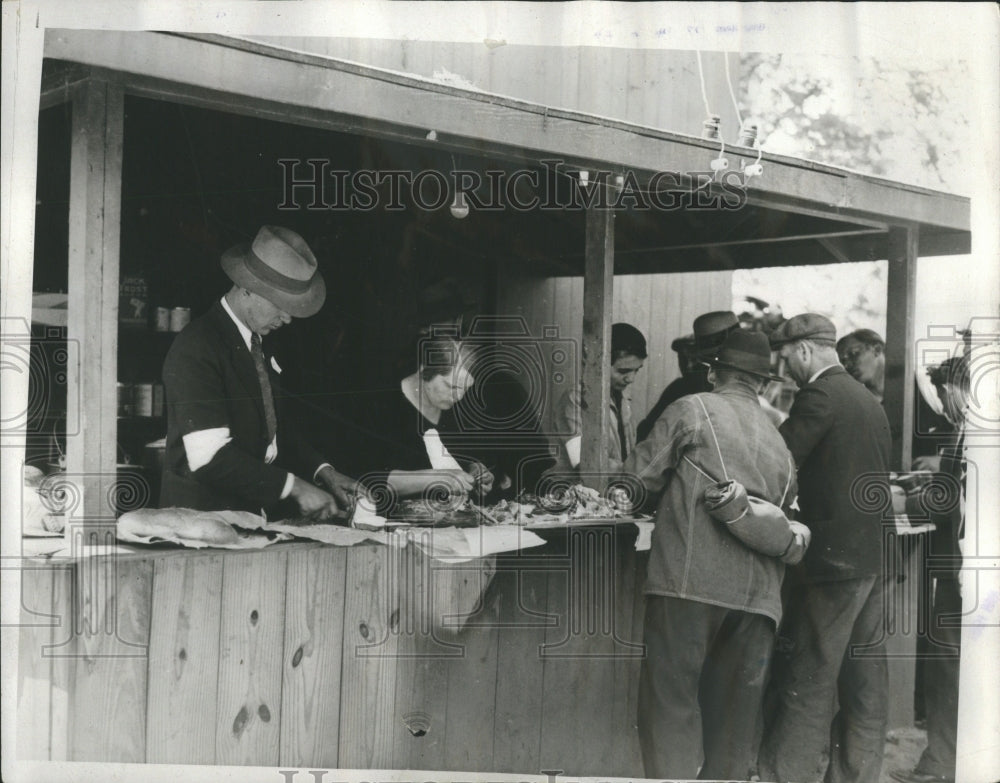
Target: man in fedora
x=710 y=330
x=228 y=445
x=712 y=602
x=839 y=435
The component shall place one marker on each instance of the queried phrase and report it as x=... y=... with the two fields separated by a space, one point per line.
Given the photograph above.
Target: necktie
x=265 y=386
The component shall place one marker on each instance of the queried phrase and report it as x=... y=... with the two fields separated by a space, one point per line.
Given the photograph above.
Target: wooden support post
x=899 y=342
x=598 y=277
x=94 y=238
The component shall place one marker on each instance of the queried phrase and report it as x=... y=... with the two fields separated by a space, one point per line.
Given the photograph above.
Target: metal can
x=142 y=399
x=162 y=323
x=158 y=400
x=124 y=399
x=179 y=318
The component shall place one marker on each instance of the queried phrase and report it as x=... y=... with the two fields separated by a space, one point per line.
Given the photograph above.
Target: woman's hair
x=440 y=355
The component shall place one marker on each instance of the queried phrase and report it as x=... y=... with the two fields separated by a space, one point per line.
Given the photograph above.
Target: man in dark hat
x=228 y=445
x=839 y=435
x=712 y=602
x=710 y=330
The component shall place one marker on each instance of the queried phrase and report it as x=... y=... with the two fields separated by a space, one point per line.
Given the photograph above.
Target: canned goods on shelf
x=162 y=323
x=158 y=400
x=142 y=399
x=179 y=318
x=124 y=399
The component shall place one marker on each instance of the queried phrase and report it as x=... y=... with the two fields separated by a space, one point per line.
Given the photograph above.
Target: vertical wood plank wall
x=661 y=306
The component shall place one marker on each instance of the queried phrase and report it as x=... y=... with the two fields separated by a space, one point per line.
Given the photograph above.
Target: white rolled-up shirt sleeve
x=573 y=448
x=201 y=446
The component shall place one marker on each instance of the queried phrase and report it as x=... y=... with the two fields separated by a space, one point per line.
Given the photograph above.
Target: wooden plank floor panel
x=578 y=656
x=251 y=646
x=34 y=668
x=184 y=660
x=522 y=588
x=313 y=657
x=626 y=757
x=368 y=693
x=424 y=653
x=472 y=688
x=108 y=701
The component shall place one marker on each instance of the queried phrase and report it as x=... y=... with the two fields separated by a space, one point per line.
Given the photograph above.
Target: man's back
x=839 y=435
x=694 y=556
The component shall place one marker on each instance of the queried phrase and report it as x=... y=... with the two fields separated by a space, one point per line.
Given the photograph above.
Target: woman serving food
x=405 y=451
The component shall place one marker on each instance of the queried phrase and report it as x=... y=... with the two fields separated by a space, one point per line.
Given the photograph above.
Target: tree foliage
x=905 y=121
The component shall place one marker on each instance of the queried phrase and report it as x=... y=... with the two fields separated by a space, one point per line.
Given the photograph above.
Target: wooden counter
x=306 y=655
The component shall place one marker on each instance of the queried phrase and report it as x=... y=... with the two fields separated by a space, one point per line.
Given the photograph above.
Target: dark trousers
x=837 y=655
x=700 y=689
x=940 y=672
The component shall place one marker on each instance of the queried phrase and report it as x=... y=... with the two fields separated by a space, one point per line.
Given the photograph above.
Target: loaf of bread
x=180 y=525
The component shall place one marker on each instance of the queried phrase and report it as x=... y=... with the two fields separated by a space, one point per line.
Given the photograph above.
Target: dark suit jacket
x=944 y=502
x=839 y=436
x=210 y=381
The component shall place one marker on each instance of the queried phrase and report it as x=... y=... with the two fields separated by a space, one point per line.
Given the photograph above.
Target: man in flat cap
x=712 y=598
x=710 y=331
x=839 y=435
x=228 y=446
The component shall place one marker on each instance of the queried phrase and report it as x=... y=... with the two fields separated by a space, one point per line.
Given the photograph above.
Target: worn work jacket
x=694 y=556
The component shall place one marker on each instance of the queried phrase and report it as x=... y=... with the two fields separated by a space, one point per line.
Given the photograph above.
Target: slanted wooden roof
x=798 y=212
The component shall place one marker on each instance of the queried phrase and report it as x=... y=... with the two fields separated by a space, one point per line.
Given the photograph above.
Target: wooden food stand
x=323 y=656
x=358 y=657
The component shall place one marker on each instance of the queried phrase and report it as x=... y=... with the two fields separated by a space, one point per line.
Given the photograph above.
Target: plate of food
x=573 y=506
x=426 y=513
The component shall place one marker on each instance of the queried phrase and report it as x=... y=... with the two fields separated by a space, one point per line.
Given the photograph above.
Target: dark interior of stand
x=196 y=181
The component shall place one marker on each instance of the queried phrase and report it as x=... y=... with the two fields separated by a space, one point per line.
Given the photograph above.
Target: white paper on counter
x=457 y=545
x=337 y=535
x=645 y=538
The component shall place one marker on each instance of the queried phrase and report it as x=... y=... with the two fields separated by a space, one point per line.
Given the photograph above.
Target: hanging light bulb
x=459 y=206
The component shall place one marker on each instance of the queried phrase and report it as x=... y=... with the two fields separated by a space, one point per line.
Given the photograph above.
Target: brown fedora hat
x=279 y=266
x=746 y=351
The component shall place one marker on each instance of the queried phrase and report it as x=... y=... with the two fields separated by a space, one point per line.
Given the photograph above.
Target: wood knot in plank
x=363 y=630
x=240 y=722
x=264 y=713
x=297 y=658
x=254 y=617
x=417 y=723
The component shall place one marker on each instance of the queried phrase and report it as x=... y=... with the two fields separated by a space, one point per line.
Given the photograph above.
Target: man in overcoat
x=228 y=444
x=839 y=435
